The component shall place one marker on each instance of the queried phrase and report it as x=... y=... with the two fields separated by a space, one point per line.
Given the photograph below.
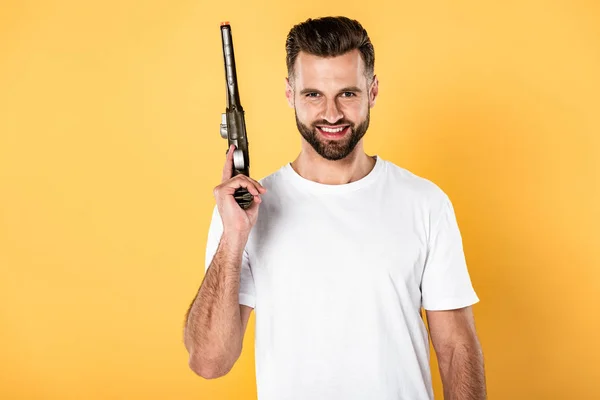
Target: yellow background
x=109 y=151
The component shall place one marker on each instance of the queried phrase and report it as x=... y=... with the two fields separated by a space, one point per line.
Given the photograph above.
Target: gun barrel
x=233 y=126
x=233 y=95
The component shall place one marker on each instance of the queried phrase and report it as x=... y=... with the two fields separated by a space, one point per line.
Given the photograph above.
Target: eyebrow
x=346 y=89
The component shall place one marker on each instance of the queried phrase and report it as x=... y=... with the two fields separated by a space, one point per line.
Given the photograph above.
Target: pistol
x=233 y=124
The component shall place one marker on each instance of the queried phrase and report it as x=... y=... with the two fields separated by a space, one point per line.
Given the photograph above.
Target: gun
x=233 y=124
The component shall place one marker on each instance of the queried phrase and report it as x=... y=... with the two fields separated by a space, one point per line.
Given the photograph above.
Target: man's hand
x=236 y=221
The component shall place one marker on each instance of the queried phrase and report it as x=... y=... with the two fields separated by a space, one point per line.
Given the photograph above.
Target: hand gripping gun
x=233 y=124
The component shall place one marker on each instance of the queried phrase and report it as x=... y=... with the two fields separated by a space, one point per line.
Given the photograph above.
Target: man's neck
x=315 y=168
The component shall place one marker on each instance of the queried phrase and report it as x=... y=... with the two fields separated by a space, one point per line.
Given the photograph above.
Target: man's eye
x=313 y=94
x=348 y=94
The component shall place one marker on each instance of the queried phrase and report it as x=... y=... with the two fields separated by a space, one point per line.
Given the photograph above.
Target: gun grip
x=243 y=197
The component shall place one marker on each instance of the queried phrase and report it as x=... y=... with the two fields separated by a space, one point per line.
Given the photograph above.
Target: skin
x=459 y=353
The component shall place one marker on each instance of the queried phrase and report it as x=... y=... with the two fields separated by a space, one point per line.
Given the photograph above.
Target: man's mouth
x=333 y=132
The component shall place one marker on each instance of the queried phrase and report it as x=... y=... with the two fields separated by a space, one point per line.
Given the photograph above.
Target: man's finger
x=243 y=181
x=228 y=168
x=258 y=185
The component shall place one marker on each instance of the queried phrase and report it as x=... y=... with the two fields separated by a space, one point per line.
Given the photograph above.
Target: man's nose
x=332 y=112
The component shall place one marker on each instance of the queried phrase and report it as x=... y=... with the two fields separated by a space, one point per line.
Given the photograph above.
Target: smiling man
x=337 y=126
x=345 y=252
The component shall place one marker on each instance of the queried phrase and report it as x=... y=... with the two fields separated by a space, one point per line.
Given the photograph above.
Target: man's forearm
x=213 y=324
x=462 y=372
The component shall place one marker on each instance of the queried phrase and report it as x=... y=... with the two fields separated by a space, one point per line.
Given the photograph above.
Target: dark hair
x=329 y=37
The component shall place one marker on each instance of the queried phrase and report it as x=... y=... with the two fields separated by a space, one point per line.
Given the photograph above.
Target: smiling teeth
x=329 y=130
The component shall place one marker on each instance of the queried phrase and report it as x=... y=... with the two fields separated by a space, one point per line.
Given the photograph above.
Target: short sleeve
x=446 y=284
x=247 y=292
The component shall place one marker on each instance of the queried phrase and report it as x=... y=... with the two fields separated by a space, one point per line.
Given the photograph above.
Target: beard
x=333 y=150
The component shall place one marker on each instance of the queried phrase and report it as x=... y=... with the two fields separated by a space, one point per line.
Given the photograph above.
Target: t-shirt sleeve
x=247 y=293
x=446 y=284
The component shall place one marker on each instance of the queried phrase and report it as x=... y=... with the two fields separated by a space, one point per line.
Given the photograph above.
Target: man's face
x=332 y=99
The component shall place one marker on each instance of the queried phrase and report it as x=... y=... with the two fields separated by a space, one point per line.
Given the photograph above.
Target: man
x=345 y=251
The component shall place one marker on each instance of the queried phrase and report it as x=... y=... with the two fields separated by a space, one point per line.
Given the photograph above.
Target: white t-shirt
x=337 y=275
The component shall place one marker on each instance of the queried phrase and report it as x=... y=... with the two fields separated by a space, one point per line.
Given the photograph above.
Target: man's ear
x=374 y=91
x=289 y=93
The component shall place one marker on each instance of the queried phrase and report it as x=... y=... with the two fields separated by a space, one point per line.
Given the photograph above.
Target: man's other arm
x=459 y=353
